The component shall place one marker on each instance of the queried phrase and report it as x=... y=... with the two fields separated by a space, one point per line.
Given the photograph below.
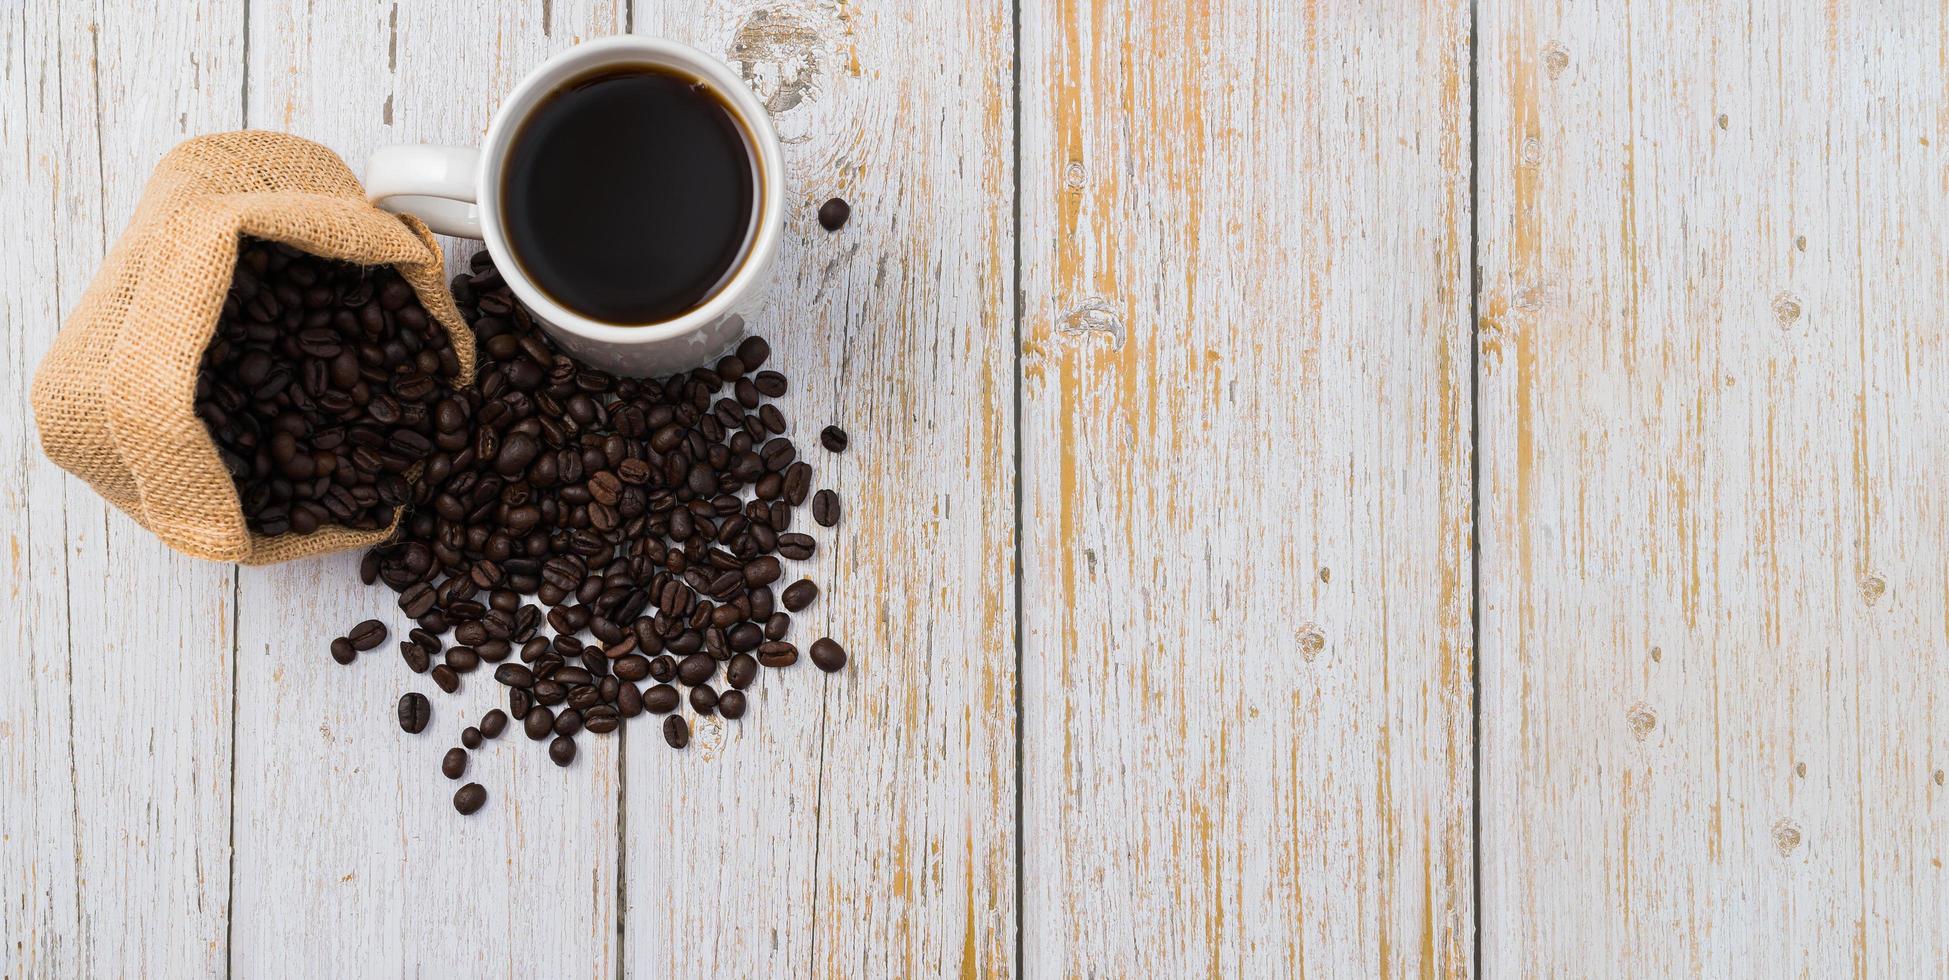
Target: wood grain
x=350 y=858
x=1715 y=602
x=862 y=824
x=1245 y=403
x=114 y=834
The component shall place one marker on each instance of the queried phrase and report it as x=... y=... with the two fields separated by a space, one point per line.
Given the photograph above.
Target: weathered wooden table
x=1338 y=489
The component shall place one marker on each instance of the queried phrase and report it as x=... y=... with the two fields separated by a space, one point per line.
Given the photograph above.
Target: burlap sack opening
x=114 y=398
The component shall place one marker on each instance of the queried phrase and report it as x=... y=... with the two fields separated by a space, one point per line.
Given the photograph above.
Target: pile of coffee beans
x=324 y=385
x=647 y=518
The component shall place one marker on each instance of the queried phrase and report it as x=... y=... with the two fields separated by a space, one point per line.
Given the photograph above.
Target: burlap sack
x=114 y=398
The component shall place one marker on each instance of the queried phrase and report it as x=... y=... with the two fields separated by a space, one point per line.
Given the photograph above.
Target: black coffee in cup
x=627 y=194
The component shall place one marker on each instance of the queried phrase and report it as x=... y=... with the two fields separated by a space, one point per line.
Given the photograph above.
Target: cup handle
x=433 y=183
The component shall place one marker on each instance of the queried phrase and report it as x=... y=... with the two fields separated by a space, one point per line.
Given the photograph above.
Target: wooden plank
x=1715 y=604
x=1245 y=403
x=115 y=690
x=862 y=824
x=350 y=858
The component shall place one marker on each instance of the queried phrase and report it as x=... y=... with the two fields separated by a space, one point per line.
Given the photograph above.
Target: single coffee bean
x=454 y=763
x=633 y=667
x=663 y=669
x=414 y=713
x=827 y=655
x=562 y=750
x=799 y=594
x=777 y=625
x=520 y=702
x=533 y=649
x=416 y=657
x=696 y=669
x=660 y=699
x=444 y=676
x=343 y=651
x=367 y=635
x=763 y=571
x=494 y=651
x=428 y=641
x=568 y=722
x=825 y=508
x=743 y=637
x=795 y=546
x=752 y=352
x=629 y=701
x=470 y=798
x=470 y=737
x=549 y=692
x=741 y=671
x=462 y=659
x=676 y=731
x=584 y=697
x=777 y=653
x=833 y=214
x=417 y=601
x=539 y=722
x=470 y=634
x=515 y=675
x=731 y=704
x=493 y=723
x=601 y=719
x=703 y=699
x=833 y=438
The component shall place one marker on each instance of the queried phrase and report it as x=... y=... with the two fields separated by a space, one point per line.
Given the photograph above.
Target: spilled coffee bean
x=414 y=713
x=469 y=798
x=626 y=537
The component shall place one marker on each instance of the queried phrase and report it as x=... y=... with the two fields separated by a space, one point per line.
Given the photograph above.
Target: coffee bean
x=741 y=671
x=703 y=699
x=539 y=722
x=414 y=713
x=752 y=352
x=771 y=384
x=676 y=731
x=795 y=546
x=763 y=571
x=663 y=669
x=731 y=704
x=470 y=798
x=825 y=508
x=367 y=635
x=470 y=737
x=696 y=669
x=462 y=659
x=562 y=751
x=777 y=653
x=777 y=625
x=444 y=676
x=494 y=651
x=660 y=699
x=833 y=214
x=743 y=637
x=493 y=723
x=629 y=701
x=827 y=655
x=799 y=594
x=417 y=659
x=417 y=601
x=633 y=667
x=602 y=719
x=833 y=438
x=454 y=763
x=520 y=702
x=342 y=651
x=549 y=693
x=534 y=648
x=568 y=722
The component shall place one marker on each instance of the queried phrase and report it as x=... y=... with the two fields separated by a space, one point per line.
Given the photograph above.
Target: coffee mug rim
x=591 y=54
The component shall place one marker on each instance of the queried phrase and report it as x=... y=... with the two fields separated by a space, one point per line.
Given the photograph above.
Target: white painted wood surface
x=1715 y=470
x=1245 y=479
x=1713 y=592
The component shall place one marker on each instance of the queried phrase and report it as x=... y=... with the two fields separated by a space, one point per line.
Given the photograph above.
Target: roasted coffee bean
x=825 y=508
x=777 y=625
x=629 y=701
x=520 y=702
x=632 y=668
x=417 y=601
x=470 y=798
x=568 y=722
x=663 y=669
x=676 y=731
x=515 y=675
x=660 y=699
x=703 y=699
x=533 y=649
x=493 y=723
x=602 y=719
x=562 y=751
x=445 y=676
x=470 y=737
x=470 y=634
x=833 y=214
x=549 y=693
x=799 y=595
x=752 y=352
x=777 y=653
x=743 y=637
x=796 y=546
x=462 y=659
x=427 y=639
x=540 y=721
x=454 y=763
x=343 y=652
x=731 y=704
x=414 y=712
x=417 y=659
x=833 y=438
x=771 y=384
x=494 y=651
x=763 y=571
x=584 y=697
x=798 y=482
x=696 y=669
x=827 y=655
x=367 y=635
x=741 y=671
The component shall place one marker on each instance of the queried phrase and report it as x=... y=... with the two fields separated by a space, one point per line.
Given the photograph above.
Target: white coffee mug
x=455 y=190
